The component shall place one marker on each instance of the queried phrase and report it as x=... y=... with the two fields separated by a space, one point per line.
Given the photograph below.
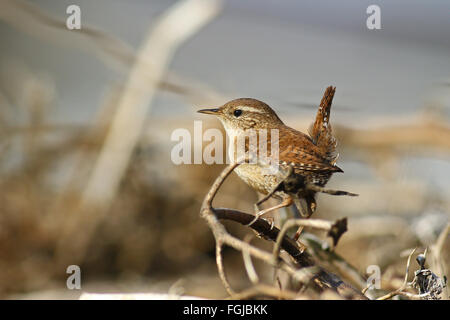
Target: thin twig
x=322 y=278
x=221 y=269
x=249 y=267
x=400 y=291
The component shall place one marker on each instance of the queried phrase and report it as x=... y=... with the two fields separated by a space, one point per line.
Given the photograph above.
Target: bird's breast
x=258 y=177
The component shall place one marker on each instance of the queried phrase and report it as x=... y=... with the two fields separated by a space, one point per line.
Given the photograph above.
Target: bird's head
x=244 y=114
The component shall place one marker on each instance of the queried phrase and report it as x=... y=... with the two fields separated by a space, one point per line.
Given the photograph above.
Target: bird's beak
x=214 y=111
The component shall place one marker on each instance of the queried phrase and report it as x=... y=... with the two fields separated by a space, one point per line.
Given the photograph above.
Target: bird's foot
x=298 y=233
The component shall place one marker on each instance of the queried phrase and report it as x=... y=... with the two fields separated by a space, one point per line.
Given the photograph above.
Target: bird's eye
x=237 y=113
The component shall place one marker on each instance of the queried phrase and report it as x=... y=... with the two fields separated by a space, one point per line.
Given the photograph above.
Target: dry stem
x=400 y=291
x=306 y=268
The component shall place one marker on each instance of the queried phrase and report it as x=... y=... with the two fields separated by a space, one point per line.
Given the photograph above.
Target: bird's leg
x=277 y=188
x=312 y=204
x=301 y=212
x=298 y=233
x=296 y=212
x=298 y=215
x=262 y=200
x=305 y=211
x=285 y=203
x=258 y=210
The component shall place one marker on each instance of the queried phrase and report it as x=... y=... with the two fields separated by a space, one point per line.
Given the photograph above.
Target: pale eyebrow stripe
x=250 y=109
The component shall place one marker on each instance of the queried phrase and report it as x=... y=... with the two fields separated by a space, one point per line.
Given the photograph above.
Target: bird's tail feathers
x=320 y=131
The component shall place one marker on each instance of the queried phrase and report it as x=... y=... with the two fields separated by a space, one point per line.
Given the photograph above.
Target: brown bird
x=305 y=162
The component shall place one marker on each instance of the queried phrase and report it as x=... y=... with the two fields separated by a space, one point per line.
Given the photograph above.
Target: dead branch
x=304 y=271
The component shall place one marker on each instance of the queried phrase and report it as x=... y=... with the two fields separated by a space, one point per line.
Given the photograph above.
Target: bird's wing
x=300 y=152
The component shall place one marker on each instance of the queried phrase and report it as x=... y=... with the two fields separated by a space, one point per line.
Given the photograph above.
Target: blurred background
x=86 y=118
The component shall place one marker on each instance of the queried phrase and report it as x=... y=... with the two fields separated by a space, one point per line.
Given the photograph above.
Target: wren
x=306 y=161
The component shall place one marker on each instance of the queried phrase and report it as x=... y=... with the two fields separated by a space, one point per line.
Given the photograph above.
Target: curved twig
x=221 y=269
x=249 y=267
x=400 y=291
x=302 y=272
